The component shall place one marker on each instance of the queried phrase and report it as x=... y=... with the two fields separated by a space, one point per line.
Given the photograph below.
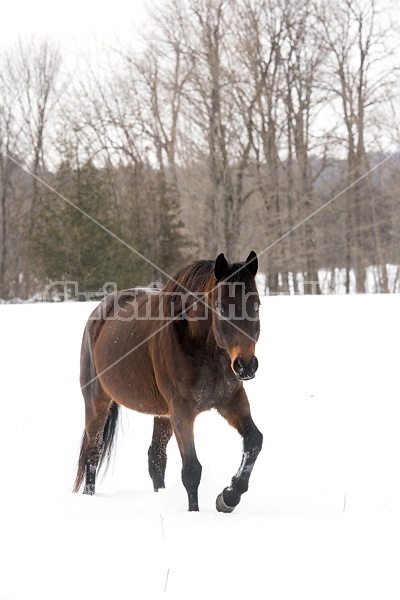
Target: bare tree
x=217 y=105
x=27 y=97
x=362 y=77
x=35 y=68
x=9 y=136
x=240 y=117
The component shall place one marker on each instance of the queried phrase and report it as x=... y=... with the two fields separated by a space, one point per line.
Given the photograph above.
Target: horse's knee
x=257 y=441
x=253 y=442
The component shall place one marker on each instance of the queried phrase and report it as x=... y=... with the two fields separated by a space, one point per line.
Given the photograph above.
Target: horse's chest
x=211 y=390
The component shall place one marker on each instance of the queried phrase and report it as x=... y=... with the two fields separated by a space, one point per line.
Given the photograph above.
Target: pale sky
x=77 y=22
x=72 y=23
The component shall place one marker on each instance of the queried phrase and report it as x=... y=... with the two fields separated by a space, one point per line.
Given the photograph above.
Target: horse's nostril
x=253 y=364
x=239 y=366
x=243 y=370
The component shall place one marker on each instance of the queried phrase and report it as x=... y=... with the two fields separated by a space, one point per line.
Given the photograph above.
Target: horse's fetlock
x=89 y=489
x=231 y=497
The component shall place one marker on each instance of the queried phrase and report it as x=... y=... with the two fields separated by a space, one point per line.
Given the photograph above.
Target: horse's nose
x=243 y=370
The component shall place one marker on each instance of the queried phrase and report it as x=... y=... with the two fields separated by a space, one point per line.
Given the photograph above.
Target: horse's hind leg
x=162 y=433
x=101 y=416
x=96 y=418
x=101 y=413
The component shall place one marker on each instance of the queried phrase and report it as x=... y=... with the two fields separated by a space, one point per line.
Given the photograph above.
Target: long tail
x=107 y=446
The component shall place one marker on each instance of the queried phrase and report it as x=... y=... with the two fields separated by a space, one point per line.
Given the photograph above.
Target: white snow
x=321 y=518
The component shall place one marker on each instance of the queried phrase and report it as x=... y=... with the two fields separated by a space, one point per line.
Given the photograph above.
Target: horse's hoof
x=221 y=506
x=88 y=490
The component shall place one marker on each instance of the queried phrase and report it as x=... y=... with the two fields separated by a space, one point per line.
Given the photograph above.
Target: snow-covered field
x=321 y=519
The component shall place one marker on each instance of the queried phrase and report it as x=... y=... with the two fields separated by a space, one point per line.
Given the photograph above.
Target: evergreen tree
x=71 y=247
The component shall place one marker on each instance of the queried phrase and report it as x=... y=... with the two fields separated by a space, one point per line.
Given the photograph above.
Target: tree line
x=224 y=127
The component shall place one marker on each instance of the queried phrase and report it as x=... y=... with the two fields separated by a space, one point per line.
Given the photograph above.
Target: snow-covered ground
x=321 y=519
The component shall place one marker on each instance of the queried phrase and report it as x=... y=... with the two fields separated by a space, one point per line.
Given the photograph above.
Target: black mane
x=199 y=277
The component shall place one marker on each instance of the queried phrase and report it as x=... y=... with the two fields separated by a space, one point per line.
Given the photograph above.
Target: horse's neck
x=198 y=317
x=199 y=330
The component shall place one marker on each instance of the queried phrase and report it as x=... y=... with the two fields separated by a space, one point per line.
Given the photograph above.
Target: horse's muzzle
x=245 y=371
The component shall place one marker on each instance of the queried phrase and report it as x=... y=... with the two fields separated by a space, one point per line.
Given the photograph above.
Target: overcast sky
x=73 y=23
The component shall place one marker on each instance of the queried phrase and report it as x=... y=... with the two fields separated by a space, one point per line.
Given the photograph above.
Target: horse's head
x=236 y=324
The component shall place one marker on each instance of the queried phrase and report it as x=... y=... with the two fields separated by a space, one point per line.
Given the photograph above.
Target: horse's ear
x=252 y=263
x=221 y=267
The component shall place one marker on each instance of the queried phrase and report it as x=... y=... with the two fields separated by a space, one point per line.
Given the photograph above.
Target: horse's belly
x=127 y=375
x=143 y=404
x=135 y=394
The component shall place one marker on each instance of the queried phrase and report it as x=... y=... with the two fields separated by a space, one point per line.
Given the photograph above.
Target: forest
x=225 y=126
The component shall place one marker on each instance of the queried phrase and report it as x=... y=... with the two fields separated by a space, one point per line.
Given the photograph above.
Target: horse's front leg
x=182 y=424
x=237 y=413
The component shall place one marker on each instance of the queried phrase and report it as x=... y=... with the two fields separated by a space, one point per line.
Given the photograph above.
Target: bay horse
x=173 y=354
